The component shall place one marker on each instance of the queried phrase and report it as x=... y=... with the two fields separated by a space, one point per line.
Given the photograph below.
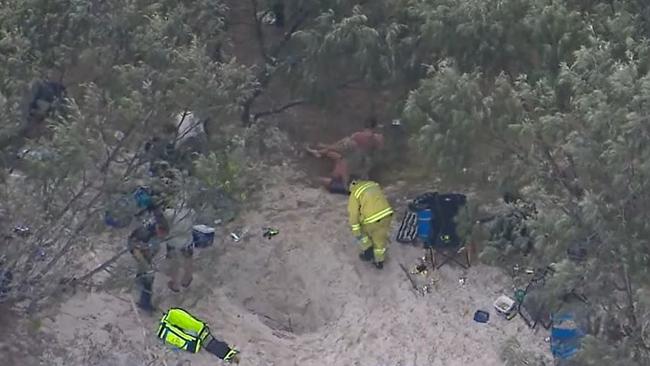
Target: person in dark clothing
x=278 y=12
x=46 y=96
x=143 y=247
x=161 y=154
x=45 y=99
x=144 y=243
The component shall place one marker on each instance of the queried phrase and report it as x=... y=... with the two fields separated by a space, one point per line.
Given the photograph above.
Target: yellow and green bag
x=182 y=330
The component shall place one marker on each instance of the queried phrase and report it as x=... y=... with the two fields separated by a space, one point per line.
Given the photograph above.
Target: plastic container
x=425 y=218
x=143 y=198
x=504 y=306
x=112 y=221
x=119 y=214
x=202 y=236
x=481 y=316
x=520 y=295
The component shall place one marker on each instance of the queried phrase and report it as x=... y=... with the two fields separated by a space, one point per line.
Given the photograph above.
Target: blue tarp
x=565 y=336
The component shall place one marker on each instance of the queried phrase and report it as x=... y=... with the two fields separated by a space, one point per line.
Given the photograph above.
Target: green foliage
x=340 y=45
x=129 y=67
x=544 y=97
x=570 y=132
x=218 y=171
x=217 y=187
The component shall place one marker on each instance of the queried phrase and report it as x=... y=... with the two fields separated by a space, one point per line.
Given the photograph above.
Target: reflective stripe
x=378 y=216
x=229 y=356
x=379 y=251
x=181 y=329
x=177 y=338
x=360 y=188
x=365 y=245
x=356 y=227
x=363 y=187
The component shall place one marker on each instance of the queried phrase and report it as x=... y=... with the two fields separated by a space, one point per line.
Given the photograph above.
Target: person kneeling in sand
x=352 y=154
x=339 y=178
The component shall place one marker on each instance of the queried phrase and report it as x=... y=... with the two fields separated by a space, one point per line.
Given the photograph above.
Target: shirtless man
x=351 y=154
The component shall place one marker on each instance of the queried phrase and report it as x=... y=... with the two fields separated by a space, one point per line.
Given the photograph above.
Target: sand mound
x=300 y=298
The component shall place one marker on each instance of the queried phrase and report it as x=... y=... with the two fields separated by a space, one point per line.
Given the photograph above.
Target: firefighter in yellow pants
x=370 y=219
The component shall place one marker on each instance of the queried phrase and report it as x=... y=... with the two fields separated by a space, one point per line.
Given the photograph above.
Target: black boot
x=367 y=255
x=278 y=12
x=145 y=297
x=379 y=265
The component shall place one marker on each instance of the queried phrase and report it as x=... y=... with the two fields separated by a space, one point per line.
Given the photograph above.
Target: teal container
x=143 y=198
x=425 y=218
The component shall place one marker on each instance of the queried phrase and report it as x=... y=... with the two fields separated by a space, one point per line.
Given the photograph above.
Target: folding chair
x=443 y=255
x=446 y=245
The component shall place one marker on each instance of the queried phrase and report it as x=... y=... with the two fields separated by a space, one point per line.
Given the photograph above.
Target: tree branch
x=298 y=102
x=261 y=39
x=117 y=148
x=40 y=232
x=69 y=242
x=112 y=260
x=265 y=74
x=278 y=110
x=302 y=17
x=348 y=83
x=630 y=308
x=574 y=191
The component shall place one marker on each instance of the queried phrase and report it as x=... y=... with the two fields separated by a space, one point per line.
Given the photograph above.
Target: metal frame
x=444 y=252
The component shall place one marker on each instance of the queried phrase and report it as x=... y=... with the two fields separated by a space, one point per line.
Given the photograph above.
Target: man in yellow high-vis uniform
x=370 y=219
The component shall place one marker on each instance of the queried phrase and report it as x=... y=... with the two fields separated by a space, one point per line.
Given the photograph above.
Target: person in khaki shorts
x=180 y=256
x=181 y=261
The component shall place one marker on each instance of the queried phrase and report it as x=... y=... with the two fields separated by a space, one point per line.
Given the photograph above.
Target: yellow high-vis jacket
x=367 y=204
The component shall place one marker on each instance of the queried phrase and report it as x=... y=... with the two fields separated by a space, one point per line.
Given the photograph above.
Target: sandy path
x=303 y=298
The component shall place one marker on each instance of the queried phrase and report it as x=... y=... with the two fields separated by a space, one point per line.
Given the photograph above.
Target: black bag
x=423 y=202
x=445 y=209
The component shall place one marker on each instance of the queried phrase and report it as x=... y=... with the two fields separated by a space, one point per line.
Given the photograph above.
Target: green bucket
x=520 y=295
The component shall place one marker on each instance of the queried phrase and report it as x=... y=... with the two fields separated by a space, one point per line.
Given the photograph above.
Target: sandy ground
x=300 y=298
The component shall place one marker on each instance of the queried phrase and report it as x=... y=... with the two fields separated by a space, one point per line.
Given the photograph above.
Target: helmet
x=354 y=179
x=150 y=226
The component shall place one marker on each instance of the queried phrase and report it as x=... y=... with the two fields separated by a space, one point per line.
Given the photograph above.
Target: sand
x=300 y=298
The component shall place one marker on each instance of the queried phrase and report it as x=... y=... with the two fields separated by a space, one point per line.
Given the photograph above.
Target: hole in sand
x=296 y=282
x=281 y=297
